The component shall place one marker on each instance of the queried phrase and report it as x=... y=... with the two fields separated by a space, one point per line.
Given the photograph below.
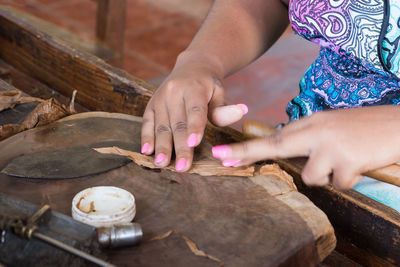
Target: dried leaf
x=8 y=130
x=204 y=168
x=46 y=112
x=10 y=98
x=191 y=244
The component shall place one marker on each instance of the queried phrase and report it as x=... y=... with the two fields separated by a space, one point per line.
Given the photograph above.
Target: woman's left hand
x=343 y=143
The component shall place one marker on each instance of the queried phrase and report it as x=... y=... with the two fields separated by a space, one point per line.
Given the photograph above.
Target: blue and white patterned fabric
x=391 y=40
x=358 y=64
x=359 y=59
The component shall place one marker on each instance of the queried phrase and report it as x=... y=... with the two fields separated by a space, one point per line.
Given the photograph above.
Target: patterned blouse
x=359 y=60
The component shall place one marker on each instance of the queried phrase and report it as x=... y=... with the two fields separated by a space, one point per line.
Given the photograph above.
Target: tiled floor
x=158 y=30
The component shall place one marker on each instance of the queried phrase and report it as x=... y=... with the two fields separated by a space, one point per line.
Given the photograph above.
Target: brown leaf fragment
x=46 y=112
x=275 y=171
x=10 y=98
x=191 y=244
x=8 y=130
x=203 y=167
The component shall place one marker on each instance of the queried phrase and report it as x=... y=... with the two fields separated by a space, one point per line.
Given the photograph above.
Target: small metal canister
x=127 y=234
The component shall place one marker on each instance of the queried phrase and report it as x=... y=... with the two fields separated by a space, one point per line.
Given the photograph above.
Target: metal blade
x=65 y=163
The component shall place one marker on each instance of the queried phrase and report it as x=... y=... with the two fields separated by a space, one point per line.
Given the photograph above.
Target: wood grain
x=237 y=220
x=356 y=217
x=100 y=86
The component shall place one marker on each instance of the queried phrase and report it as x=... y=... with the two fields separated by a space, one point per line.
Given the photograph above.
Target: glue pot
x=104 y=206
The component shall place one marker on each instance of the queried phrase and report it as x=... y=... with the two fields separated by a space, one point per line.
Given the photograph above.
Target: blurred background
x=156 y=31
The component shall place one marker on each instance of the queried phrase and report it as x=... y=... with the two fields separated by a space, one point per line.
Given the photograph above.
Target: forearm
x=235 y=33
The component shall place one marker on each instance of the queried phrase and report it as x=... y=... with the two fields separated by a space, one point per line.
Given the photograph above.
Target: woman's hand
x=235 y=33
x=344 y=143
x=177 y=114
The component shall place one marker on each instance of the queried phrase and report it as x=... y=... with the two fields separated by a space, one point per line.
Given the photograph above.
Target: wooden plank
x=260 y=220
x=372 y=228
x=110 y=27
x=335 y=259
x=34 y=88
x=89 y=46
x=63 y=68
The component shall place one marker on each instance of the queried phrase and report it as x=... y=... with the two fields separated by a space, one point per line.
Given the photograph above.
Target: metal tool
x=71 y=162
x=29 y=230
x=128 y=234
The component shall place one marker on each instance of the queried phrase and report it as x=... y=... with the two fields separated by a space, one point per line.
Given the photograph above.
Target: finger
x=147 y=132
x=345 y=178
x=317 y=170
x=298 y=124
x=226 y=115
x=279 y=145
x=163 y=138
x=178 y=121
x=196 y=114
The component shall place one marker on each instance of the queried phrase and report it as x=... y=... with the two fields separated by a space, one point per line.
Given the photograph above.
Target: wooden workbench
x=43 y=66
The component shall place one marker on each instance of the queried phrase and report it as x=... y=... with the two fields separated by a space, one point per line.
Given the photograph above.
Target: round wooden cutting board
x=187 y=219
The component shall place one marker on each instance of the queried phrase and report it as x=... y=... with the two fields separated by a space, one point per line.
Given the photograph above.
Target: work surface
x=236 y=221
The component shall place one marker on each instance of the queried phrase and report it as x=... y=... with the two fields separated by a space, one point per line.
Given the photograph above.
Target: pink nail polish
x=192 y=140
x=221 y=152
x=160 y=158
x=244 y=108
x=145 y=148
x=180 y=165
x=230 y=162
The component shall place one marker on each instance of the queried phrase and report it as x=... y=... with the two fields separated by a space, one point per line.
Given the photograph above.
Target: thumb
x=226 y=115
x=220 y=114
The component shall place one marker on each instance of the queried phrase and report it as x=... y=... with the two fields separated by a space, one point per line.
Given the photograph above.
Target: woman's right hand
x=177 y=113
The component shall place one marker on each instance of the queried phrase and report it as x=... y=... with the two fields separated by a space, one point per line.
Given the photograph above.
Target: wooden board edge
x=101 y=114
x=100 y=86
x=370 y=225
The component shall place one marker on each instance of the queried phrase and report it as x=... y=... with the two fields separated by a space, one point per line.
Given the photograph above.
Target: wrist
x=200 y=60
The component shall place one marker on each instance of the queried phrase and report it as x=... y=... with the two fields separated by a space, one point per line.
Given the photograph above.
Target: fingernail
x=145 y=148
x=180 y=164
x=230 y=162
x=192 y=140
x=244 y=108
x=220 y=152
x=160 y=158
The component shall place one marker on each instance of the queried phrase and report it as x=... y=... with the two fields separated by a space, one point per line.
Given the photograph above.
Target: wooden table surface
x=237 y=221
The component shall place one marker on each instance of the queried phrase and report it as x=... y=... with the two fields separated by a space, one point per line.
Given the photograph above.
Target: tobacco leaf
x=10 y=98
x=191 y=244
x=46 y=112
x=202 y=167
x=8 y=130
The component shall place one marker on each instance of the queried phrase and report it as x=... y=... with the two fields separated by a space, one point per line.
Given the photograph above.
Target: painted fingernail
x=220 y=152
x=244 y=108
x=192 y=140
x=160 y=158
x=145 y=148
x=180 y=165
x=230 y=162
